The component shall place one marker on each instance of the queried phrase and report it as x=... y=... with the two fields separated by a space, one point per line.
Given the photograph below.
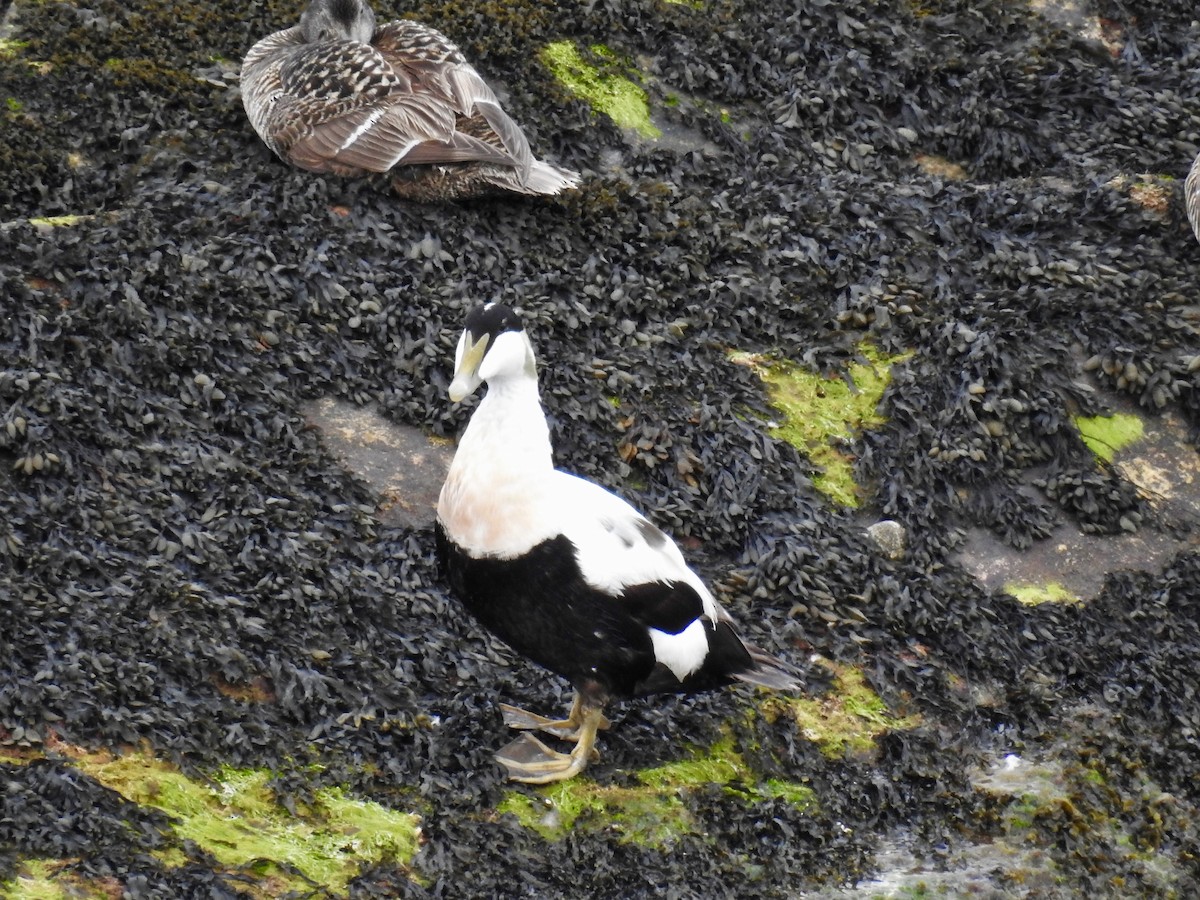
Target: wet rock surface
x=191 y=568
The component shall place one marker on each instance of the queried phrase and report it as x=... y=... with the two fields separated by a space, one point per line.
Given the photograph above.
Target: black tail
x=729 y=659
x=769 y=672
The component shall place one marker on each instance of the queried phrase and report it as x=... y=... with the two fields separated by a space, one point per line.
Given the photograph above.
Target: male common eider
x=565 y=572
x=1191 y=196
x=336 y=94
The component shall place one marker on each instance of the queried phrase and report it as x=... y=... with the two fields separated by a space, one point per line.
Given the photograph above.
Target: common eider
x=1191 y=196
x=336 y=94
x=565 y=572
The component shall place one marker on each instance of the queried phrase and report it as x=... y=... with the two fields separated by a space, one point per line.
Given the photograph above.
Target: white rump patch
x=682 y=653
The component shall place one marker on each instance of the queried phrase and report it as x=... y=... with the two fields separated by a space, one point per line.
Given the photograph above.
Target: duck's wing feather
x=623 y=554
x=414 y=131
x=619 y=550
x=343 y=108
x=436 y=65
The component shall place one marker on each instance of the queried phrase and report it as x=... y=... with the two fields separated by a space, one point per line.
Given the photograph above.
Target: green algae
x=236 y=818
x=37 y=879
x=57 y=221
x=1105 y=435
x=51 y=879
x=614 y=95
x=653 y=812
x=1036 y=594
x=637 y=814
x=847 y=721
x=11 y=49
x=821 y=414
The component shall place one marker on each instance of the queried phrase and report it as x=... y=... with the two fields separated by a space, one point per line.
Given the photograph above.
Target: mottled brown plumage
x=336 y=94
x=1191 y=196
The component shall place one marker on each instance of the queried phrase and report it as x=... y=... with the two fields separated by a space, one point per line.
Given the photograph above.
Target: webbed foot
x=529 y=760
x=568 y=728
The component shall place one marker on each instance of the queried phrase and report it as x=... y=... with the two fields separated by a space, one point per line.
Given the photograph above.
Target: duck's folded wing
x=617 y=545
x=342 y=108
x=351 y=139
x=510 y=135
x=412 y=130
x=436 y=66
x=623 y=554
x=474 y=99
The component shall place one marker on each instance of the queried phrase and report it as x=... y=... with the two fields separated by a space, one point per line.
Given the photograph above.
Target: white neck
x=509 y=428
x=499 y=493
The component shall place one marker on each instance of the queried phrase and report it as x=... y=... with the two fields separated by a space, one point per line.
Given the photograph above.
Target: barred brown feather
x=406 y=103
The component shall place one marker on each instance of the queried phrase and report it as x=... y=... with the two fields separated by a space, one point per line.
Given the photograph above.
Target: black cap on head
x=492 y=319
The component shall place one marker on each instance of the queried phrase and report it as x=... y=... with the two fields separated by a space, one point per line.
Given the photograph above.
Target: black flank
x=668 y=606
x=540 y=606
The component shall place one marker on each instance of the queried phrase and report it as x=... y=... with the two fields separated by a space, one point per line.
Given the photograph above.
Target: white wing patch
x=682 y=653
x=619 y=547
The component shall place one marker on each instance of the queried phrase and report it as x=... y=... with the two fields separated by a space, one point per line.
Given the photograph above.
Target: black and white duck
x=337 y=94
x=564 y=571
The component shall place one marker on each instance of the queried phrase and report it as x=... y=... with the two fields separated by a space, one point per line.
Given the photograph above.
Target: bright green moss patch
x=36 y=879
x=844 y=722
x=236 y=819
x=614 y=95
x=56 y=221
x=721 y=764
x=638 y=814
x=1105 y=435
x=1035 y=594
x=50 y=879
x=654 y=812
x=820 y=413
x=10 y=49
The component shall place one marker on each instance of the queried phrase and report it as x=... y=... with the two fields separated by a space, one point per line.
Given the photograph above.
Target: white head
x=493 y=347
x=338 y=20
